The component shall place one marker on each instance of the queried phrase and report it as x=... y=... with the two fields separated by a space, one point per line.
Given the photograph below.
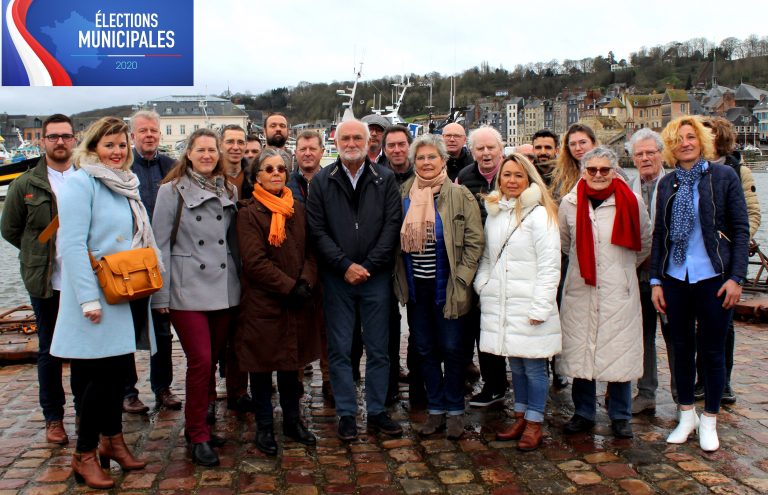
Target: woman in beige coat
x=606 y=233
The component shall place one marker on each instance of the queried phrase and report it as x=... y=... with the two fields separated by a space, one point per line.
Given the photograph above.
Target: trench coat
x=602 y=326
x=202 y=267
x=94 y=218
x=272 y=333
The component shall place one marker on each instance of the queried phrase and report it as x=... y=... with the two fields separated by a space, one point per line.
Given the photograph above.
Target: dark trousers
x=236 y=380
x=697 y=319
x=619 y=407
x=493 y=368
x=201 y=333
x=287 y=386
x=101 y=402
x=160 y=364
x=439 y=343
x=730 y=348
x=48 y=367
x=649 y=382
x=414 y=370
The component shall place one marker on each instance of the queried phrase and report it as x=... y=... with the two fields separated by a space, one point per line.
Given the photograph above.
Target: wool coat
x=522 y=284
x=202 y=267
x=275 y=332
x=602 y=325
x=91 y=217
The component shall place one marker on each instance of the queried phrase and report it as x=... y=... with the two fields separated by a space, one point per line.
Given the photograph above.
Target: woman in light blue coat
x=99 y=211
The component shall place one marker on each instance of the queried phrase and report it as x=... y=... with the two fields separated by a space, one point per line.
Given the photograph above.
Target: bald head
x=455 y=137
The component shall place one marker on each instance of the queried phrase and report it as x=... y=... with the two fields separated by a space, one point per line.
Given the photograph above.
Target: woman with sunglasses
x=278 y=322
x=606 y=233
x=194 y=222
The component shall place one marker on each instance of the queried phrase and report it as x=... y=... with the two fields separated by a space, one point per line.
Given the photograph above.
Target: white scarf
x=125 y=183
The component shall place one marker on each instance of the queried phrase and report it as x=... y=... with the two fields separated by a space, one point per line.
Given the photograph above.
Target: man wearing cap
x=376 y=126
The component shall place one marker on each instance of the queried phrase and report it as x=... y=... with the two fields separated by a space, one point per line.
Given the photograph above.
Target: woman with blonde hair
x=100 y=211
x=517 y=283
x=194 y=220
x=576 y=142
x=698 y=263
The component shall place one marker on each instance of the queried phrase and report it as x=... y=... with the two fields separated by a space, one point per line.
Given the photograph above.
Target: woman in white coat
x=606 y=233
x=517 y=282
x=100 y=211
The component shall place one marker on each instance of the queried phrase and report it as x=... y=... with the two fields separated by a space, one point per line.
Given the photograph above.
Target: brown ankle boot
x=514 y=431
x=531 y=438
x=115 y=448
x=87 y=470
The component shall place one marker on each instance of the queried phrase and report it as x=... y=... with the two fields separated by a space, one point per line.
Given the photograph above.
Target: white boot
x=688 y=422
x=708 y=433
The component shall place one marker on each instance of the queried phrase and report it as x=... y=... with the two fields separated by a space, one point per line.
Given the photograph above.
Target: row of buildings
x=614 y=115
x=621 y=111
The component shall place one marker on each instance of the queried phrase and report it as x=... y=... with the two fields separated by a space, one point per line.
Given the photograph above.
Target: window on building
x=195 y=127
x=168 y=130
x=183 y=130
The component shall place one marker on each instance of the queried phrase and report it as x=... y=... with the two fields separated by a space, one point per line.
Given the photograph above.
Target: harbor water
x=12 y=292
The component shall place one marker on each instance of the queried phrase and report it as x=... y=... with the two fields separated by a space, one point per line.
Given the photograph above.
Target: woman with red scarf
x=277 y=327
x=606 y=233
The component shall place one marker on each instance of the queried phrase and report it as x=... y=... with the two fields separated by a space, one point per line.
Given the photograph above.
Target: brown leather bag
x=127 y=275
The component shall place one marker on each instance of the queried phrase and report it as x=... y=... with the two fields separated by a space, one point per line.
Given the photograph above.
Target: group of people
x=266 y=267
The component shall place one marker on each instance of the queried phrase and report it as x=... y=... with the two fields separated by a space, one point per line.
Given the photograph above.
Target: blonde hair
x=105 y=126
x=671 y=139
x=533 y=178
x=567 y=169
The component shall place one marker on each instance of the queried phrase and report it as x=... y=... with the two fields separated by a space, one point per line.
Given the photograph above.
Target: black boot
x=204 y=455
x=265 y=440
x=295 y=430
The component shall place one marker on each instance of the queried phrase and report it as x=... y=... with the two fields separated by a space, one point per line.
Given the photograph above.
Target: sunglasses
x=604 y=171
x=271 y=169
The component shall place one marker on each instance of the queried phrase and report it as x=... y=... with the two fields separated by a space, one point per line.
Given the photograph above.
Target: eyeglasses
x=453 y=136
x=604 y=171
x=271 y=169
x=643 y=154
x=53 y=138
x=431 y=158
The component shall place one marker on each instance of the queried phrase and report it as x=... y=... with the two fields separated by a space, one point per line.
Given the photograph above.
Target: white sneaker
x=688 y=422
x=708 y=440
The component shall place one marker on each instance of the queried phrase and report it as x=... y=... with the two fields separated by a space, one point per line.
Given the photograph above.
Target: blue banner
x=97 y=43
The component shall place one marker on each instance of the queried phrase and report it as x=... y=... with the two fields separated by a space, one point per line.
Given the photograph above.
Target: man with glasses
x=376 y=126
x=30 y=206
x=151 y=166
x=645 y=146
x=455 y=138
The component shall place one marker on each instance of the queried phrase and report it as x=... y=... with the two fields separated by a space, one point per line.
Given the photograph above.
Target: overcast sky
x=249 y=45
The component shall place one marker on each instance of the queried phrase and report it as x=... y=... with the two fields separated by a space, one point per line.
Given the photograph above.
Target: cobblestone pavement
x=476 y=464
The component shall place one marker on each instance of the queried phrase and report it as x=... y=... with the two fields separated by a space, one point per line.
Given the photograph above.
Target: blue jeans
x=48 y=367
x=160 y=364
x=438 y=341
x=688 y=304
x=619 y=407
x=531 y=383
x=341 y=300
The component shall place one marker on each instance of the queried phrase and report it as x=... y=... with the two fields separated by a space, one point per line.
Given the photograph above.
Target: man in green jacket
x=30 y=205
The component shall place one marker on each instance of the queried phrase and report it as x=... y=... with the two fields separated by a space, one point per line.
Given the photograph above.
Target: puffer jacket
x=723 y=217
x=522 y=284
x=602 y=325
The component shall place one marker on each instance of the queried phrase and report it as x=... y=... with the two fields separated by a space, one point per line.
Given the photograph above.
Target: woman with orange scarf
x=441 y=241
x=606 y=233
x=277 y=327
